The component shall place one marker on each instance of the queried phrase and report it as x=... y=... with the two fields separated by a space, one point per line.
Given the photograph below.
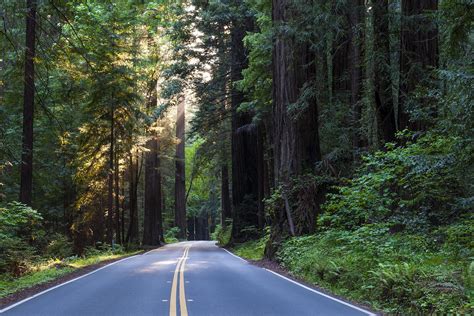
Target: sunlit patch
x=155 y=266
x=166 y=262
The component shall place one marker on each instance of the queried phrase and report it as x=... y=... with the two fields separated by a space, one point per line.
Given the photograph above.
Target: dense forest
x=333 y=137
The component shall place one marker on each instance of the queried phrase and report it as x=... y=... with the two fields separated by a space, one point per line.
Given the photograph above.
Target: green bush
x=171 y=235
x=59 y=247
x=222 y=235
x=20 y=229
x=16 y=256
x=414 y=186
x=253 y=249
x=459 y=238
x=401 y=273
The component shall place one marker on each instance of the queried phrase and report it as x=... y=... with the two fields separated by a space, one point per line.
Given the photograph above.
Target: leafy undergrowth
x=54 y=268
x=252 y=250
x=171 y=235
x=398 y=273
x=222 y=234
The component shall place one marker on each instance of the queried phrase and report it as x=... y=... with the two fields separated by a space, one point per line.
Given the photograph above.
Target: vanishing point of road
x=188 y=278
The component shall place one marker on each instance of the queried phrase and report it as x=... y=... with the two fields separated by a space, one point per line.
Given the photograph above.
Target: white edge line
x=322 y=294
x=230 y=253
x=59 y=285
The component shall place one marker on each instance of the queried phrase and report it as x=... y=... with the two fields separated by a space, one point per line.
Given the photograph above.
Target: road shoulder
x=276 y=268
x=26 y=293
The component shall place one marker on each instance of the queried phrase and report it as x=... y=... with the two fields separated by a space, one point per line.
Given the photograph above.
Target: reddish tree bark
x=226 y=211
x=295 y=138
x=26 y=172
x=180 y=175
x=117 y=200
x=110 y=195
x=246 y=151
x=152 y=221
x=132 y=233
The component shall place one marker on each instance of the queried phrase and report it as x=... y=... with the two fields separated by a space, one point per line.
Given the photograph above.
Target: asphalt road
x=188 y=278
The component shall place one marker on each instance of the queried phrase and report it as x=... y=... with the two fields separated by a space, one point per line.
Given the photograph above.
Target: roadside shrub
x=99 y=249
x=91 y=251
x=16 y=256
x=171 y=235
x=59 y=247
x=20 y=228
x=253 y=249
x=399 y=273
x=414 y=186
x=117 y=249
x=222 y=235
x=459 y=238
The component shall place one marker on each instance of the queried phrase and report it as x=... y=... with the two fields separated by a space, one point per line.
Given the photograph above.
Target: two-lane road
x=188 y=278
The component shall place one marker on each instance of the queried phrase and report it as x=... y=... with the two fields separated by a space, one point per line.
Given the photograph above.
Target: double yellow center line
x=179 y=271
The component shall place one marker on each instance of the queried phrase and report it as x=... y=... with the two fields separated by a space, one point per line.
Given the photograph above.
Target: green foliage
x=51 y=269
x=403 y=273
x=414 y=186
x=458 y=238
x=222 y=234
x=15 y=256
x=20 y=220
x=253 y=249
x=457 y=19
x=103 y=249
x=20 y=228
x=59 y=247
x=171 y=235
x=257 y=77
x=400 y=229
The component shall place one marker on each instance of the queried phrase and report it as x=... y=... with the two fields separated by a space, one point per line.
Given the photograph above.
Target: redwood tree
x=295 y=138
x=246 y=154
x=26 y=184
x=180 y=175
x=356 y=19
x=152 y=221
x=382 y=82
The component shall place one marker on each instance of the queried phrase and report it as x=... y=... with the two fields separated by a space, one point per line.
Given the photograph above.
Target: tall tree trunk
x=110 y=204
x=192 y=228
x=418 y=54
x=261 y=174
x=122 y=207
x=149 y=195
x=132 y=233
x=152 y=217
x=226 y=207
x=26 y=181
x=152 y=234
x=117 y=200
x=180 y=176
x=244 y=141
x=356 y=16
x=159 y=197
x=225 y=195
x=382 y=80
x=296 y=139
